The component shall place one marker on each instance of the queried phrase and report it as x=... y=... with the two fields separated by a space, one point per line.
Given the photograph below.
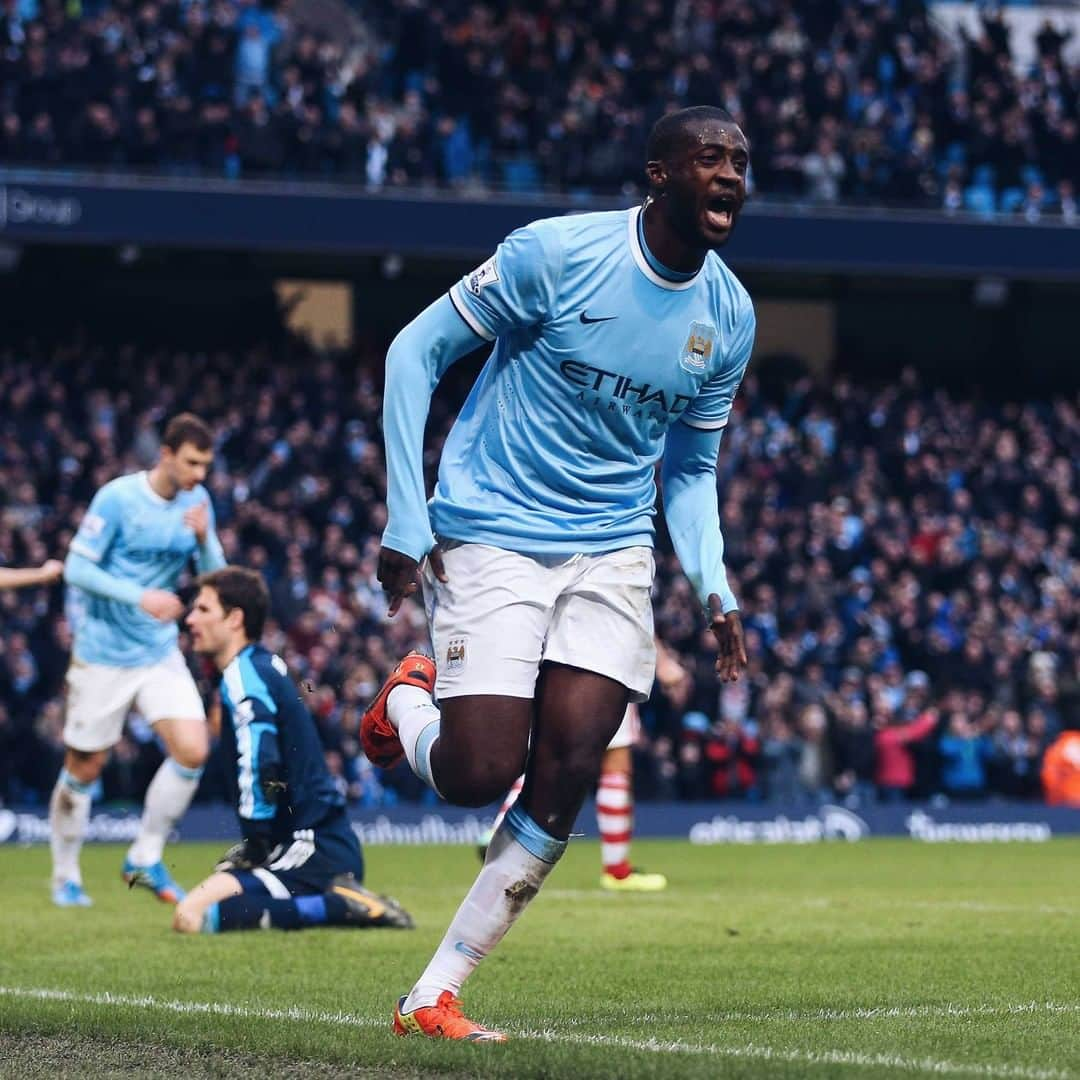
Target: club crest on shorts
x=455 y=656
x=698 y=350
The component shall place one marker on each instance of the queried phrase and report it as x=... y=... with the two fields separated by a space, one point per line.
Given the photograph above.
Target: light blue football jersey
x=134 y=534
x=598 y=351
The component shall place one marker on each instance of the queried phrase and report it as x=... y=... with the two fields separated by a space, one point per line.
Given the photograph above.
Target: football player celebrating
x=619 y=339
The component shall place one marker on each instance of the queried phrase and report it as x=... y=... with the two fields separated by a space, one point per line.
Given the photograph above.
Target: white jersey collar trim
x=643 y=263
x=149 y=488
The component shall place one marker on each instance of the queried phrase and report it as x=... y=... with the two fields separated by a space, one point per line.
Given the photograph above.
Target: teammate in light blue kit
x=137 y=537
x=620 y=339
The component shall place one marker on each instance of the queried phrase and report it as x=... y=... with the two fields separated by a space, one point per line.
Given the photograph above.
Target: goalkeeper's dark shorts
x=308 y=864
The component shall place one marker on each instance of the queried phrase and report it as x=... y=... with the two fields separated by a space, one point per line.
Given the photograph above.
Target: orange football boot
x=443 y=1020
x=377 y=735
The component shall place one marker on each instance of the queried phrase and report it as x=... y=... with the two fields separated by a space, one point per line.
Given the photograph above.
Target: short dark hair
x=187 y=428
x=239 y=587
x=671 y=130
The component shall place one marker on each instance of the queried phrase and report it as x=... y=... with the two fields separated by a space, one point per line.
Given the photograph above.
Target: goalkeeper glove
x=245 y=855
x=296 y=853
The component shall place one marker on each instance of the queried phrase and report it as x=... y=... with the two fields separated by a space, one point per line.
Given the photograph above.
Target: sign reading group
x=700 y=823
x=22 y=206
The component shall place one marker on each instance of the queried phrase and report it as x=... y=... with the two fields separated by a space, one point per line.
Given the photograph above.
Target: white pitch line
x=1002 y=909
x=601 y=896
x=944 y=905
x=947 y=1011
x=749 y=1051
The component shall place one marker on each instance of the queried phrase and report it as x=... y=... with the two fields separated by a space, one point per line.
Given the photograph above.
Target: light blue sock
x=69 y=781
x=211 y=920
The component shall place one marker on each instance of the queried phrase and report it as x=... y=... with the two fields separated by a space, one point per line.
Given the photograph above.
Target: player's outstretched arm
x=418 y=358
x=25 y=577
x=692 y=513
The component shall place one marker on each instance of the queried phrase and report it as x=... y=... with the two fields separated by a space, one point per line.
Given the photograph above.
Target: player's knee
x=481 y=781
x=193 y=757
x=85 y=765
x=578 y=767
x=186 y=919
x=190 y=749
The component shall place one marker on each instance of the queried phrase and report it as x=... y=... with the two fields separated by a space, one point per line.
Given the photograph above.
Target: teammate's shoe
x=635 y=881
x=443 y=1020
x=365 y=908
x=155 y=878
x=70 y=894
x=377 y=735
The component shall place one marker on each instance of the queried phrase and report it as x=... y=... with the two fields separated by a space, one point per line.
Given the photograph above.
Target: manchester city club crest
x=455 y=656
x=698 y=350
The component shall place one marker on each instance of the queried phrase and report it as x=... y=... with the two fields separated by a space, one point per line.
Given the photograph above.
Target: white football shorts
x=502 y=613
x=99 y=697
x=628 y=730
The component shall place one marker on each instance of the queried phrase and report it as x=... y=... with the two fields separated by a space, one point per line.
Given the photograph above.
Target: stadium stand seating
x=871 y=104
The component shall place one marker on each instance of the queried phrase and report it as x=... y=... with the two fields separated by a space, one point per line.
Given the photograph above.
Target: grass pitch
x=877 y=959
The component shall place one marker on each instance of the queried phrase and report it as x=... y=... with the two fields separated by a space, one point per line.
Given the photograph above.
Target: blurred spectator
x=964 y=754
x=780 y=754
x=731 y=754
x=854 y=755
x=1015 y=757
x=894 y=771
x=1061 y=771
x=824 y=170
x=815 y=767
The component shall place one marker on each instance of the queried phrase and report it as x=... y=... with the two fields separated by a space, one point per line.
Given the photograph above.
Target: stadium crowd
x=908 y=563
x=843 y=100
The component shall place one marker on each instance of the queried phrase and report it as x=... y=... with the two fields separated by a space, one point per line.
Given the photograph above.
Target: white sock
x=615 y=817
x=69 y=812
x=168 y=796
x=415 y=718
x=511 y=798
x=519 y=858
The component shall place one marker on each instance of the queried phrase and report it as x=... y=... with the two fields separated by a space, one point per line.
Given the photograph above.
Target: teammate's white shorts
x=501 y=614
x=99 y=697
x=628 y=729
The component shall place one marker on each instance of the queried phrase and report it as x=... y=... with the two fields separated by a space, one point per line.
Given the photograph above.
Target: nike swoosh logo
x=603 y=318
x=468 y=950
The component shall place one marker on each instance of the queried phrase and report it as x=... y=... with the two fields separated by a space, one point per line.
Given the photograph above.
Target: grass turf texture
x=878 y=959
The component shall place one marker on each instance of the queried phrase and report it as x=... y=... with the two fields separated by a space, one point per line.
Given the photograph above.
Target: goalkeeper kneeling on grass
x=299 y=863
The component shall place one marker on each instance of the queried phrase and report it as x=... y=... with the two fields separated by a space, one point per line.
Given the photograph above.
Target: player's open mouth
x=720 y=212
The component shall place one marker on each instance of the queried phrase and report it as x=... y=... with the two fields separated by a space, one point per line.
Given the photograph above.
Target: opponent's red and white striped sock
x=615 y=817
x=511 y=798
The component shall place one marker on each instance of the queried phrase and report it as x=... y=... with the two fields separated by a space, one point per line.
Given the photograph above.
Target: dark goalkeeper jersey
x=279 y=777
